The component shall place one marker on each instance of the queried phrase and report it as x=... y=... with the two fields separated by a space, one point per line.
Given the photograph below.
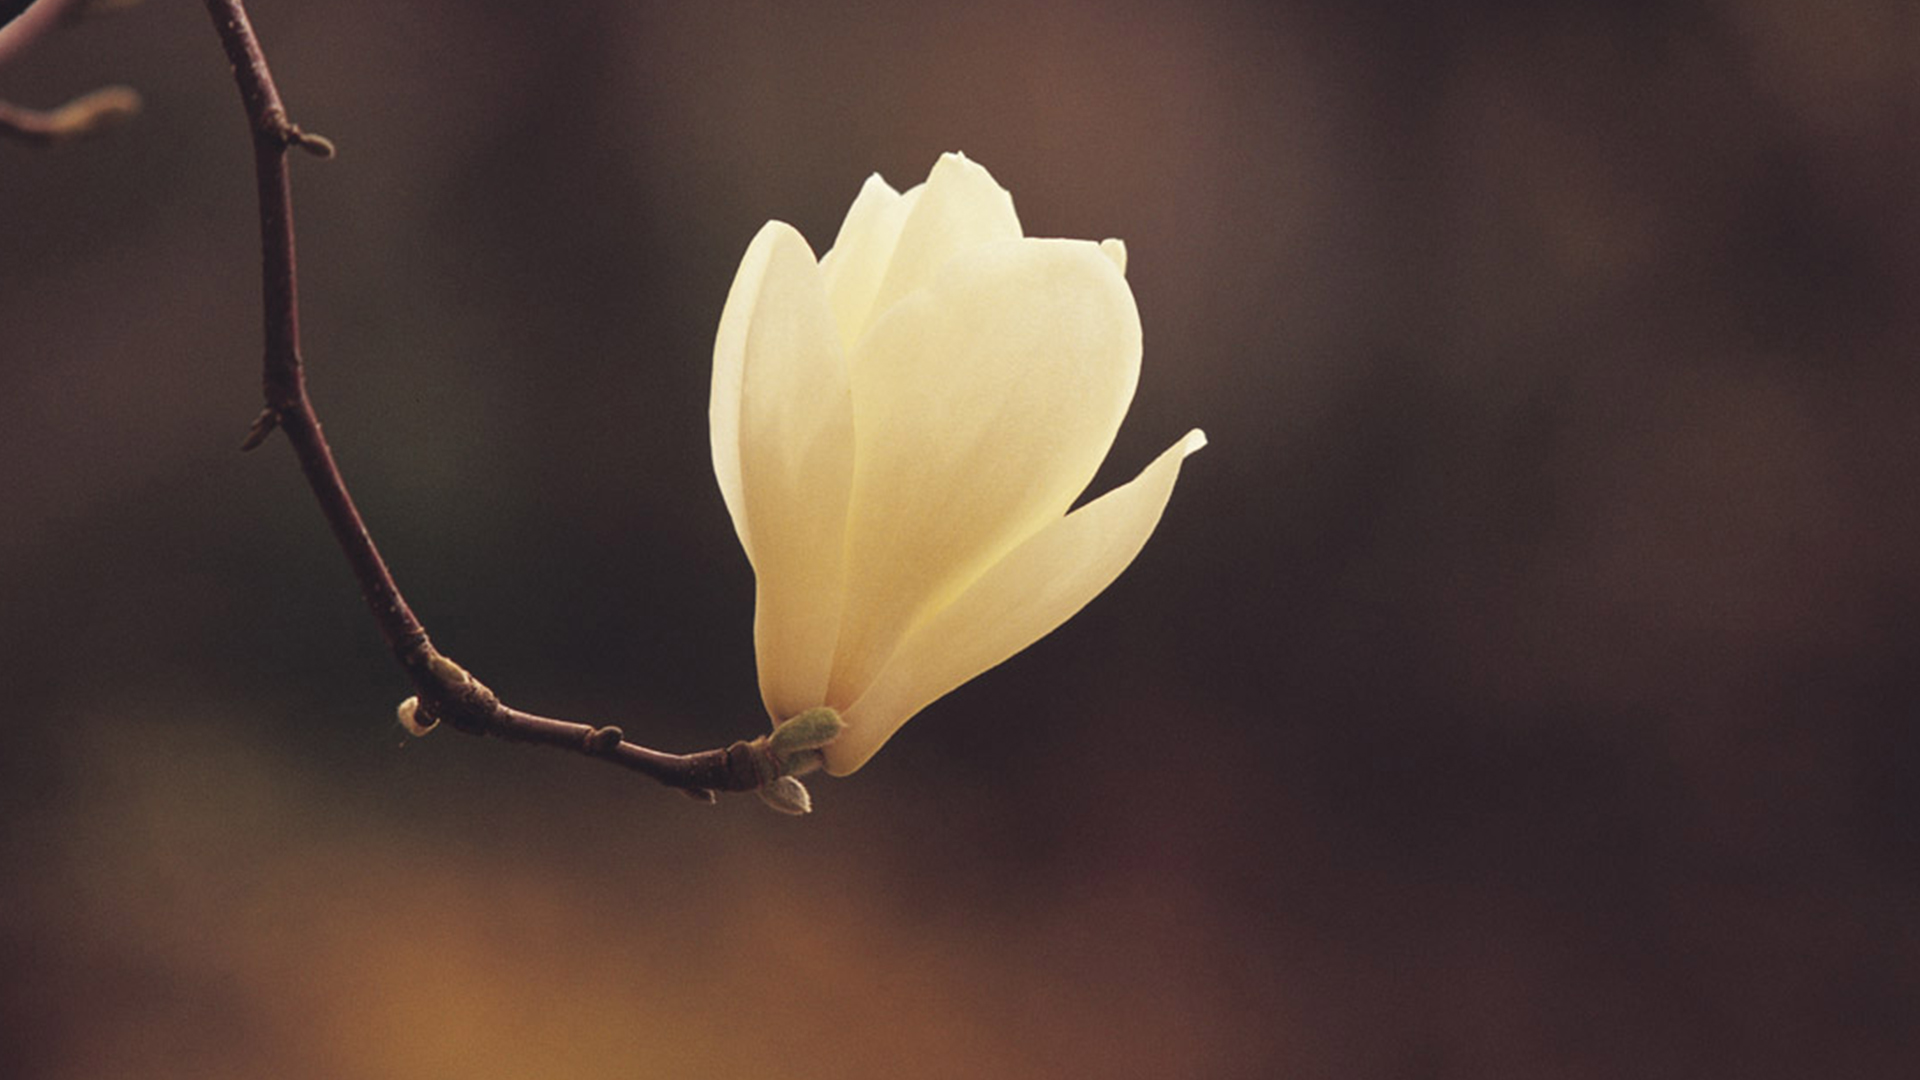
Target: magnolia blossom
x=899 y=428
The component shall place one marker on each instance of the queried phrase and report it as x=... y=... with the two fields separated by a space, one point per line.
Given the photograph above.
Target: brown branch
x=446 y=692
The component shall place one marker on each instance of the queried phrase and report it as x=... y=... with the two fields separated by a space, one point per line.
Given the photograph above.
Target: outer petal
x=782 y=430
x=1038 y=586
x=983 y=404
x=862 y=252
x=959 y=207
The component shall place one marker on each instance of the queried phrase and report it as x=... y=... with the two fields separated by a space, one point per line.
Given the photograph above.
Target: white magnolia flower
x=899 y=428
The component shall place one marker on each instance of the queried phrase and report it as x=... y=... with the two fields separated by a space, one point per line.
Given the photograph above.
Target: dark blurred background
x=1523 y=684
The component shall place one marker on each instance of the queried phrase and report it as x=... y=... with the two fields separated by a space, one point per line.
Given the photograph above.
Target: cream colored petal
x=1038 y=586
x=782 y=431
x=729 y=367
x=983 y=404
x=1115 y=249
x=858 y=261
x=959 y=207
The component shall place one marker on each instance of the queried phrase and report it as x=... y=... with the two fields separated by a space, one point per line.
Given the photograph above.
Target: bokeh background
x=1523 y=684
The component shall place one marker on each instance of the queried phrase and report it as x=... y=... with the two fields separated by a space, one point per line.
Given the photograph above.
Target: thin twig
x=446 y=692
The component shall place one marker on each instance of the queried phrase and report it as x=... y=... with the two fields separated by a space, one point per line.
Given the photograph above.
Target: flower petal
x=959 y=207
x=983 y=404
x=860 y=255
x=1038 y=586
x=782 y=430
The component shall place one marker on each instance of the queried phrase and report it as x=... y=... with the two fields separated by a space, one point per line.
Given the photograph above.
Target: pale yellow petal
x=1115 y=249
x=782 y=430
x=729 y=366
x=983 y=404
x=959 y=207
x=861 y=253
x=1021 y=599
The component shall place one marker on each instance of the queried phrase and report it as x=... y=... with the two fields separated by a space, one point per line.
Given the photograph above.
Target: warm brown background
x=1522 y=685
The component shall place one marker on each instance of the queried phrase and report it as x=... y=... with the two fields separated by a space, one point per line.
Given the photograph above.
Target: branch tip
x=263 y=425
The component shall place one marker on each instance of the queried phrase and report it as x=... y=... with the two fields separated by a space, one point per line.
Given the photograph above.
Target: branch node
x=601 y=740
x=454 y=695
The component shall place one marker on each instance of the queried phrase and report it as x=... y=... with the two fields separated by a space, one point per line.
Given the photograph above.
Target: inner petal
x=783 y=448
x=854 y=268
x=959 y=207
x=982 y=406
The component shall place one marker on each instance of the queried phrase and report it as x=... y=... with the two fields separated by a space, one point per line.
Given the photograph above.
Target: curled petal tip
x=1195 y=440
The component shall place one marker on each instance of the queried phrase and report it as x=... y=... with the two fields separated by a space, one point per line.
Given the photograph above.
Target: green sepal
x=810 y=730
